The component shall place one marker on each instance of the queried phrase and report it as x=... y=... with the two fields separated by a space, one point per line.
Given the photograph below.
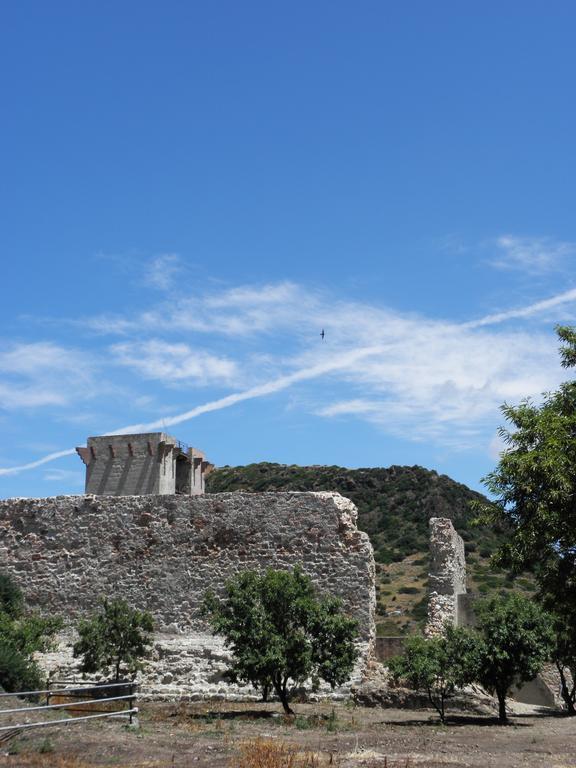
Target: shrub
x=281 y=634
x=439 y=665
x=21 y=635
x=11 y=599
x=117 y=638
x=17 y=673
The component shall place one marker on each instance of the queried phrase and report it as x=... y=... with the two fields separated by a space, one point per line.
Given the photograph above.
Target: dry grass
x=32 y=760
x=266 y=753
x=39 y=761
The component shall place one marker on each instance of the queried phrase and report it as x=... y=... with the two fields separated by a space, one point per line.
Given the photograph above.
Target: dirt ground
x=233 y=735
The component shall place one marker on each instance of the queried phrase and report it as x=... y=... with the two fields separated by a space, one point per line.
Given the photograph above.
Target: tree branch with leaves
x=534 y=491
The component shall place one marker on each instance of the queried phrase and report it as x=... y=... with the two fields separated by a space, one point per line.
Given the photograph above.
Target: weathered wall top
x=146 y=463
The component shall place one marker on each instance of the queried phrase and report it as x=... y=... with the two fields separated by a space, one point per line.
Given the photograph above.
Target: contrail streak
x=268 y=388
x=531 y=309
x=37 y=463
x=283 y=382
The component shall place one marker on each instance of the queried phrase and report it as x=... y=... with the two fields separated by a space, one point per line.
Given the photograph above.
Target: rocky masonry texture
x=161 y=553
x=447 y=575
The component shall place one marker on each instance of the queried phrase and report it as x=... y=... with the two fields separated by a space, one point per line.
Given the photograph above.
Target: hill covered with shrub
x=394 y=506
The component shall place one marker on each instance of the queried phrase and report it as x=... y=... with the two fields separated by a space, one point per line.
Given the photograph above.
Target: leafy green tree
x=535 y=481
x=115 y=638
x=280 y=633
x=517 y=640
x=534 y=486
x=440 y=665
x=21 y=635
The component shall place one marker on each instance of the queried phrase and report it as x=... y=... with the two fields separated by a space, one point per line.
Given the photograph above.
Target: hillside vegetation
x=394 y=505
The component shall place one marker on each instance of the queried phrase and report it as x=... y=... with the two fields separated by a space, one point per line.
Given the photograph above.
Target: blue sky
x=190 y=192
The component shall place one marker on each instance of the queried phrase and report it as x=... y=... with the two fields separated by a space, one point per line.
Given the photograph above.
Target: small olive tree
x=280 y=633
x=440 y=665
x=518 y=638
x=117 y=638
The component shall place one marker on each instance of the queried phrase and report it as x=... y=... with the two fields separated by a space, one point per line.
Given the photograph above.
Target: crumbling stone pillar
x=447 y=575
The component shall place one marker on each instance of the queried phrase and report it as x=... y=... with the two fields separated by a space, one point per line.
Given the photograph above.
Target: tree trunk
x=284 y=699
x=567 y=695
x=502 y=716
x=438 y=704
x=282 y=694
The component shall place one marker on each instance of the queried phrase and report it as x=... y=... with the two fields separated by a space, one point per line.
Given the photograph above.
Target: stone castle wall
x=161 y=553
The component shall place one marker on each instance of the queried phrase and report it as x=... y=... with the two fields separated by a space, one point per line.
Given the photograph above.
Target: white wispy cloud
x=42 y=374
x=532 y=255
x=14 y=396
x=413 y=376
x=236 y=312
x=445 y=383
x=161 y=271
x=328 y=366
x=175 y=362
x=37 y=357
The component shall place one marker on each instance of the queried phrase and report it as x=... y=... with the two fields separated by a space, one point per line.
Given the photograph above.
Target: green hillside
x=394 y=505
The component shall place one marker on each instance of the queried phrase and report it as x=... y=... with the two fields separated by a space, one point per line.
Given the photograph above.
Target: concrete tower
x=149 y=463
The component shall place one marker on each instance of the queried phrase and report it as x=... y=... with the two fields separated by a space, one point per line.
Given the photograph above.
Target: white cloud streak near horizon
x=419 y=377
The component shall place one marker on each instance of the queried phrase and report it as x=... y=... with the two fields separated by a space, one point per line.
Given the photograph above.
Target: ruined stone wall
x=161 y=553
x=447 y=576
